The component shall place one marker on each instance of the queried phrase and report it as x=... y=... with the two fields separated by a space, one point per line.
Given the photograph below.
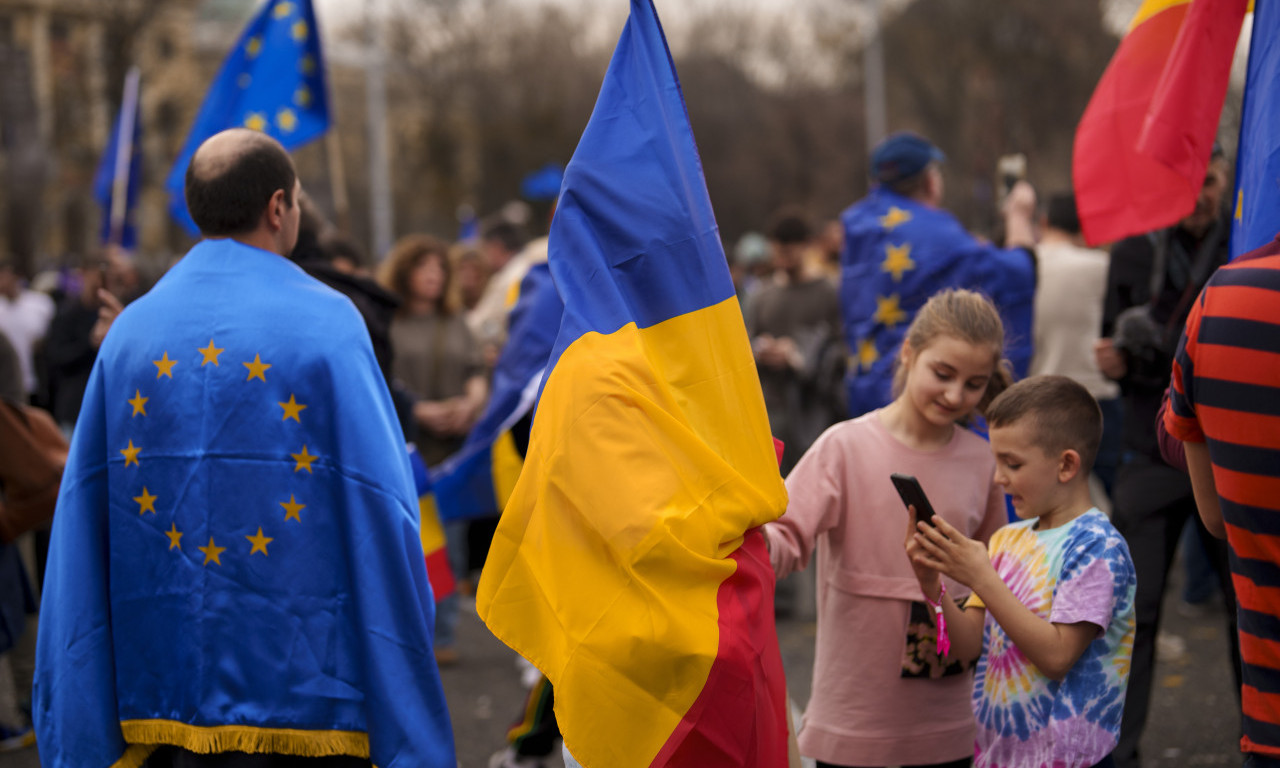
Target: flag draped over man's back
x=272 y=81
x=235 y=561
x=1144 y=141
x=1257 y=201
x=627 y=566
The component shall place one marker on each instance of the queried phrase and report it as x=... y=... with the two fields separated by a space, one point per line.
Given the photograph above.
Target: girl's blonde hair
x=965 y=315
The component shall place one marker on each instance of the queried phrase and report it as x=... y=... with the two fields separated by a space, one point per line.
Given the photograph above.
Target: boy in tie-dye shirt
x=1051 y=616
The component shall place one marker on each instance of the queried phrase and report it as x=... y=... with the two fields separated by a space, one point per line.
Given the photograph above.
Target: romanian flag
x=1143 y=144
x=1257 y=198
x=431 y=533
x=627 y=565
x=478 y=479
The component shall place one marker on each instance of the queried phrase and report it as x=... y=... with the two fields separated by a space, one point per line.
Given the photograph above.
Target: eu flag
x=626 y=565
x=1257 y=201
x=104 y=181
x=235 y=560
x=272 y=81
x=478 y=479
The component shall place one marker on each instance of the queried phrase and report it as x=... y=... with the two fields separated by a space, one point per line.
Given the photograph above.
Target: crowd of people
x=885 y=341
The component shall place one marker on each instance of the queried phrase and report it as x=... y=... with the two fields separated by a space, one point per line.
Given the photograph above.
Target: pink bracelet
x=944 y=642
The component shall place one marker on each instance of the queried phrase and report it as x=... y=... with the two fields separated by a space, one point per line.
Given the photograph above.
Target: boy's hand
x=926 y=575
x=945 y=549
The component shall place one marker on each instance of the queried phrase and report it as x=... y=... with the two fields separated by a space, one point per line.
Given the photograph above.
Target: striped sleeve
x=1180 y=418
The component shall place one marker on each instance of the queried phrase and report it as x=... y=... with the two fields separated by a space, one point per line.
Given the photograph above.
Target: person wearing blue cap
x=901 y=247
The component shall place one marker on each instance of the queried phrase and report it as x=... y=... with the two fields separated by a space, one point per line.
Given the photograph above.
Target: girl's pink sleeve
x=816 y=494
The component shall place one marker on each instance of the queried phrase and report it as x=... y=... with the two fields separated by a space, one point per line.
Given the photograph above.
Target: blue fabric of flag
x=235 y=559
x=899 y=252
x=464 y=483
x=104 y=184
x=543 y=184
x=272 y=81
x=1257 y=200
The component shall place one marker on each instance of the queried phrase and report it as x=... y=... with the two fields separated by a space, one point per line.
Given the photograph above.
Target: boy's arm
x=964 y=625
x=1053 y=648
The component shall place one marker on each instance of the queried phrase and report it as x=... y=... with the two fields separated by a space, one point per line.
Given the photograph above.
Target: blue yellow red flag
x=439 y=572
x=478 y=479
x=627 y=565
x=273 y=80
x=1256 y=219
x=235 y=561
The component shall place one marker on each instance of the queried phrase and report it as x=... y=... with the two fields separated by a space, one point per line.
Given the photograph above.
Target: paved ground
x=1194 y=719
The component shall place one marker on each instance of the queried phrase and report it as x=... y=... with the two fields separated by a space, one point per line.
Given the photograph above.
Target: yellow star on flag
x=210 y=354
x=287 y=119
x=257 y=368
x=888 y=312
x=164 y=366
x=867 y=354
x=302 y=97
x=1240 y=205
x=894 y=217
x=130 y=454
x=897 y=260
x=175 y=537
x=255 y=122
x=282 y=10
x=299 y=30
x=291 y=509
x=304 y=460
x=253 y=47
x=259 y=542
x=146 y=502
x=212 y=552
x=292 y=409
x=308 y=64
x=138 y=402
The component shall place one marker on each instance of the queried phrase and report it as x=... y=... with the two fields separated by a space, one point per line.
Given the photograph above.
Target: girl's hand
x=945 y=549
x=925 y=574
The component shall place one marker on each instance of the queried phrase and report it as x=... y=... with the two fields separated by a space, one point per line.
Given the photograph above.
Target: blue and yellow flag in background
x=272 y=81
x=1257 y=199
x=626 y=565
x=235 y=561
x=478 y=479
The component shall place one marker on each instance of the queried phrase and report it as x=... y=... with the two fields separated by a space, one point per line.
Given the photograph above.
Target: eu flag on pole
x=1257 y=199
x=121 y=169
x=478 y=479
x=272 y=81
x=627 y=565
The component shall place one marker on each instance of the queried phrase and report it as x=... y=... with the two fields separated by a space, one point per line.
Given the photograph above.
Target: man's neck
x=1050 y=236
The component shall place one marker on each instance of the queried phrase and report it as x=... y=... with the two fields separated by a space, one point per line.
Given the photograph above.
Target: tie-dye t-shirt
x=1080 y=571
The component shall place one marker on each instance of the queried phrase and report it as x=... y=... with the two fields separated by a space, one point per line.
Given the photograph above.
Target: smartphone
x=1010 y=169
x=913 y=496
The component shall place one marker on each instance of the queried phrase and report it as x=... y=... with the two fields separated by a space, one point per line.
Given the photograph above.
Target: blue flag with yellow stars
x=272 y=81
x=1257 y=200
x=899 y=252
x=478 y=479
x=235 y=561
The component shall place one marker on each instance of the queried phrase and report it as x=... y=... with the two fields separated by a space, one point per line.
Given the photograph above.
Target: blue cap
x=902 y=156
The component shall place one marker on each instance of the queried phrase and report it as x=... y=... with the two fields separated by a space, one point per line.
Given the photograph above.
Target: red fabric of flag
x=1120 y=192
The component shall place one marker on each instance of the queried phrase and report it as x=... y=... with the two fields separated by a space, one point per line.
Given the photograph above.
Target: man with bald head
x=235 y=576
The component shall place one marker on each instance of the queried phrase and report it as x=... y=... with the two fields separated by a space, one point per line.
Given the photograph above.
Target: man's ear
x=276 y=208
x=1068 y=465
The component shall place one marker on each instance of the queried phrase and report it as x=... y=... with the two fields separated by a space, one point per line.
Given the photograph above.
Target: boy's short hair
x=1065 y=415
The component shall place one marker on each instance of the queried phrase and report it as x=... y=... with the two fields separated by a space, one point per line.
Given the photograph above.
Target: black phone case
x=913 y=496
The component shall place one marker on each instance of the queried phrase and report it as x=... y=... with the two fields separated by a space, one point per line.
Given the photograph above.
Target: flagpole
x=381 y=213
x=124 y=156
x=873 y=79
x=338 y=180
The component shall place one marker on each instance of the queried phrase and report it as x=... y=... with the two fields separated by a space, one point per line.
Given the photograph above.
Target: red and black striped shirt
x=1226 y=393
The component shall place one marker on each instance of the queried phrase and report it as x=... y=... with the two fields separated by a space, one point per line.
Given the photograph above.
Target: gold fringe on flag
x=143 y=736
